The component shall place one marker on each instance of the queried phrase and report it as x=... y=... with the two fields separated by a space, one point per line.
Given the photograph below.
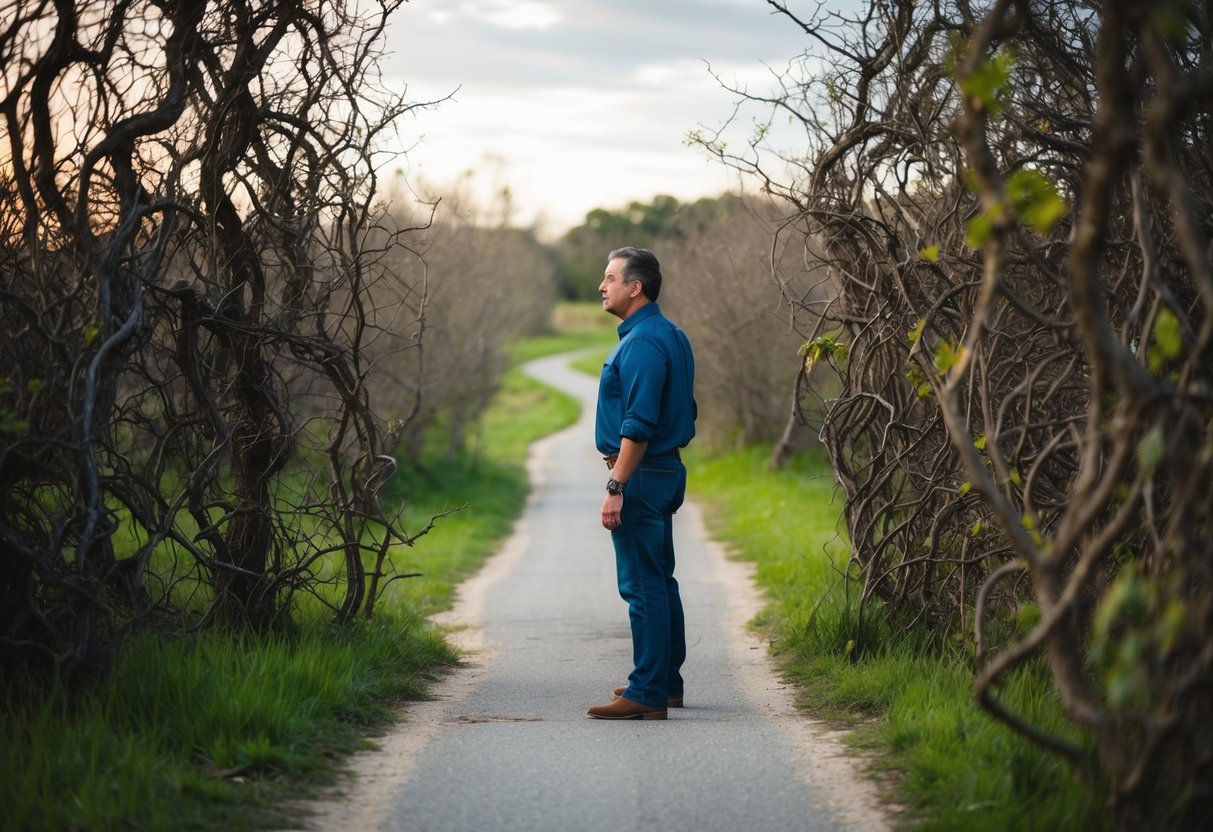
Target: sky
x=576 y=104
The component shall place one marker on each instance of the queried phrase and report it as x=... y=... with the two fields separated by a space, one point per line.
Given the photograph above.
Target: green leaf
x=1167 y=334
x=916 y=333
x=824 y=346
x=989 y=84
x=1170 y=625
x=947 y=355
x=11 y=424
x=930 y=253
x=922 y=384
x=90 y=334
x=978 y=230
x=980 y=442
x=1127 y=678
x=1170 y=18
x=965 y=488
x=1027 y=616
x=1016 y=477
x=34 y=385
x=1125 y=601
x=1036 y=199
x=1150 y=449
x=977 y=529
x=6 y=384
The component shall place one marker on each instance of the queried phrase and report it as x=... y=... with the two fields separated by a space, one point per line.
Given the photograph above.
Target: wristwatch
x=614 y=487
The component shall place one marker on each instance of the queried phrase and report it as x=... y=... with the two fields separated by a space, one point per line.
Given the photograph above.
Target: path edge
x=363 y=797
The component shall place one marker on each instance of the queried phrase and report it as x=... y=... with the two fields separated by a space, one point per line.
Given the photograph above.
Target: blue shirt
x=647 y=388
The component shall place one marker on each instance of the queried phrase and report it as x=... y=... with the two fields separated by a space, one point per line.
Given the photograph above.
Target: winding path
x=506 y=745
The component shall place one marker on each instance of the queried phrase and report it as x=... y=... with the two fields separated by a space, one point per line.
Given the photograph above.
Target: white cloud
x=700 y=76
x=581 y=104
x=673 y=75
x=514 y=14
x=564 y=151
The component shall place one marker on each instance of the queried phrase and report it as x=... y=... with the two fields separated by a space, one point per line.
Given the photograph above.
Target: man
x=646 y=413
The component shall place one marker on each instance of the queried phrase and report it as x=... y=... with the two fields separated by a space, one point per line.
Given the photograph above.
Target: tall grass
x=208 y=732
x=219 y=730
x=951 y=766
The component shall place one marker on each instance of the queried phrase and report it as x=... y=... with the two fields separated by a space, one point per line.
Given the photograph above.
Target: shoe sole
x=653 y=715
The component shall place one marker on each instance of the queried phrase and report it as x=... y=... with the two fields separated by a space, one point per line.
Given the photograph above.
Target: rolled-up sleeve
x=642 y=375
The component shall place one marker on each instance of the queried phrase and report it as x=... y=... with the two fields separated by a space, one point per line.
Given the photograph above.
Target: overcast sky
x=577 y=104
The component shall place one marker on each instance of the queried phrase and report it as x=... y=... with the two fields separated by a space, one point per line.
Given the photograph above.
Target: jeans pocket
x=680 y=491
x=660 y=490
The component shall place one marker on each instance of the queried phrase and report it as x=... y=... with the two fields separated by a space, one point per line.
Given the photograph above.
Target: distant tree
x=479 y=285
x=580 y=253
x=186 y=200
x=1013 y=199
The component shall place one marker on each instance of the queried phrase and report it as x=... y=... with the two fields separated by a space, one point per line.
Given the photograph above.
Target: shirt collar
x=647 y=311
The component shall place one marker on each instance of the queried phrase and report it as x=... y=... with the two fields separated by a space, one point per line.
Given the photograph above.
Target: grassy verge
x=952 y=766
x=208 y=733
x=218 y=730
x=488 y=487
x=576 y=326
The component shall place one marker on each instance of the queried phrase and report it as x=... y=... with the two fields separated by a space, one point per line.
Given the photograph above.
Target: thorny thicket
x=716 y=253
x=187 y=198
x=1013 y=199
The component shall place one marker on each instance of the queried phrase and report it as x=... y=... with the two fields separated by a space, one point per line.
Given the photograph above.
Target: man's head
x=632 y=279
x=640 y=264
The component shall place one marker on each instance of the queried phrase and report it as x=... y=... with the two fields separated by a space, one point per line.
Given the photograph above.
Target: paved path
x=507 y=746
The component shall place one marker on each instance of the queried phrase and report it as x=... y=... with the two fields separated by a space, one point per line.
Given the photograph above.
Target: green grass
x=488 y=488
x=209 y=732
x=576 y=326
x=952 y=767
x=559 y=342
x=582 y=317
x=591 y=363
x=219 y=730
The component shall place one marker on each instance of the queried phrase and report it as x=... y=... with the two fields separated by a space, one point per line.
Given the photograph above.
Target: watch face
x=613 y=487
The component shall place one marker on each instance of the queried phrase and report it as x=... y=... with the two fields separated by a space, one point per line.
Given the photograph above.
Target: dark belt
x=613 y=458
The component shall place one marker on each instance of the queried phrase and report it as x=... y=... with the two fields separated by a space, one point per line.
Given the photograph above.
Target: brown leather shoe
x=624 y=708
x=672 y=703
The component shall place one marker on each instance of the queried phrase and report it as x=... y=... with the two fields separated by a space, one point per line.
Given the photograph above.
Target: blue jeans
x=644 y=563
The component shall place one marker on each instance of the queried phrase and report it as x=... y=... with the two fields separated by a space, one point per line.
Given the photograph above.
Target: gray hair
x=640 y=264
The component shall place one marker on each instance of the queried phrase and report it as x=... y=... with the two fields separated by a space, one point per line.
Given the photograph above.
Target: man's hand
x=612 y=511
x=630 y=454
